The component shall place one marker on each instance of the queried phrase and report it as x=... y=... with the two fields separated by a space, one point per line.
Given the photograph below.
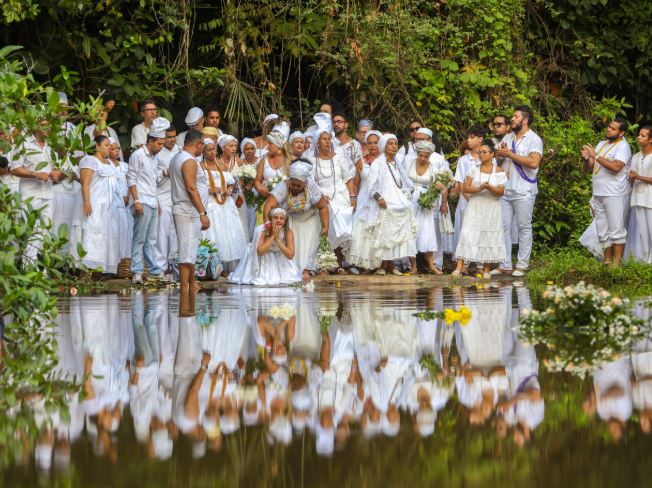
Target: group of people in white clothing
x=268 y=203
x=621 y=201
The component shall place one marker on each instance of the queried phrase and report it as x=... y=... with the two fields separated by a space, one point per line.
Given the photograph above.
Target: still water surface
x=348 y=388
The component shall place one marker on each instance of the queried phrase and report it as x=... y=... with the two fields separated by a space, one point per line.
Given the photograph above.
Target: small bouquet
x=246 y=174
x=271 y=184
x=283 y=312
x=326 y=258
x=428 y=199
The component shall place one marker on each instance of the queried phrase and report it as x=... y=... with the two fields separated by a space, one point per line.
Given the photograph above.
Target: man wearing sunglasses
x=408 y=147
x=500 y=127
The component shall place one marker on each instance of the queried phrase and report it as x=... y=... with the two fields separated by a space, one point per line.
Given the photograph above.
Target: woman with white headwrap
x=302 y=199
x=269 y=259
x=308 y=148
x=228 y=235
x=334 y=177
x=249 y=160
x=297 y=144
x=422 y=173
x=227 y=149
x=274 y=166
x=123 y=220
x=384 y=228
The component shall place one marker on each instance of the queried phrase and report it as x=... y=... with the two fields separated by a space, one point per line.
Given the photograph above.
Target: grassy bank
x=568 y=266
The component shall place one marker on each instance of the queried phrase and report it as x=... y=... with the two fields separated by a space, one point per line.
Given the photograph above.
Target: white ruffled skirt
x=481 y=237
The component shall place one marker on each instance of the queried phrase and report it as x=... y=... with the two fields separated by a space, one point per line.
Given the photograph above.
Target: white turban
x=277 y=210
x=159 y=126
x=113 y=141
x=297 y=134
x=318 y=134
x=283 y=128
x=276 y=138
x=426 y=131
x=365 y=123
x=225 y=139
x=323 y=120
x=425 y=146
x=384 y=139
x=300 y=171
x=270 y=117
x=245 y=141
x=372 y=133
x=309 y=134
x=194 y=115
x=208 y=140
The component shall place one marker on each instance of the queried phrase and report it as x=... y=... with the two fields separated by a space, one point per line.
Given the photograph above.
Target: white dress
x=247 y=215
x=272 y=268
x=331 y=175
x=95 y=233
x=392 y=231
x=304 y=221
x=123 y=220
x=64 y=199
x=226 y=230
x=481 y=237
x=426 y=219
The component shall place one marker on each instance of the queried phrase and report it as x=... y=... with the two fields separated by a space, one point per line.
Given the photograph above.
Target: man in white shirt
x=520 y=152
x=194 y=120
x=166 y=238
x=348 y=147
x=640 y=176
x=33 y=165
x=141 y=180
x=609 y=162
x=149 y=112
x=465 y=163
x=500 y=127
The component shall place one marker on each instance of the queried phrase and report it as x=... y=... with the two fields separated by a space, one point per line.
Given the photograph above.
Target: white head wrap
x=277 y=210
x=384 y=139
x=276 y=138
x=372 y=133
x=300 y=171
x=296 y=134
x=365 y=123
x=301 y=400
x=159 y=126
x=270 y=117
x=425 y=146
x=318 y=134
x=426 y=423
x=390 y=429
x=63 y=98
x=208 y=141
x=194 y=115
x=225 y=139
x=323 y=121
x=426 y=131
x=245 y=141
x=283 y=128
x=113 y=141
x=229 y=424
x=281 y=430
x=309 y=134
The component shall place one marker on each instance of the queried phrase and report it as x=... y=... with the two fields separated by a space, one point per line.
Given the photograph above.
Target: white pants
x=643 y=233
x=610 y=215
x=188 y=235
x=518 y=207
x=166 y=239
x=36 y=244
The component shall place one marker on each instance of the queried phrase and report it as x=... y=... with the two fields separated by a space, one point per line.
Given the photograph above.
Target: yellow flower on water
x=450 y=316
x=479 y=276
x=550 y=282
x=464 y=315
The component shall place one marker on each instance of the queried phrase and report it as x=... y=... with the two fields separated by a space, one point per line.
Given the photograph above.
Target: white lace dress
x=426 y=240
x=481 y=237
x=226 y=230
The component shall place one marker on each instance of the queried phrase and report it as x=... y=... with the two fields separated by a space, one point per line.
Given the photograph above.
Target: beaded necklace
x=325 y=176
x=399 y=183
x=297 y=204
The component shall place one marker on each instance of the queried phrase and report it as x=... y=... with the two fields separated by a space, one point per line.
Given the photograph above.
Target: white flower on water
x=284 y=312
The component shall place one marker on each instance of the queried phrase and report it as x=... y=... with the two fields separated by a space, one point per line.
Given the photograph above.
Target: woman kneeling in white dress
x=481 y=237
x=384 y=228
x=269 y=259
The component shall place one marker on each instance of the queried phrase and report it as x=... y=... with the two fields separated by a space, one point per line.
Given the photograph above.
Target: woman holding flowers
x=425 y=200
x=274 y=166
x=246 y=175
x=269 y=259
x=481 y=236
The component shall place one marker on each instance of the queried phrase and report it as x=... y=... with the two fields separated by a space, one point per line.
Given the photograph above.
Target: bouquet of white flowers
x=428 y=199
x=326 y=258
x=284 y=312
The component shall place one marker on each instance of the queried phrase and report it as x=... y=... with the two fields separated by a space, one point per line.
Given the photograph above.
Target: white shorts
x=188 y=234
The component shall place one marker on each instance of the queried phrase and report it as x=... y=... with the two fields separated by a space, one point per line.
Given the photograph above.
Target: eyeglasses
x=414 y=129
x=498 y=124
x=338 y=122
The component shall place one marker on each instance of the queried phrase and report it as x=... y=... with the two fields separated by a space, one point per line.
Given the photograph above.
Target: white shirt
x=13 y=182
x=142 y=175
x=607 y=183
x=641 y=191
x=526 y=145
x=352 y=151
x=139 y=135
x=464 y=166
x=108 y=131
x=164 y=189
x=402 y=153
x=32 y=156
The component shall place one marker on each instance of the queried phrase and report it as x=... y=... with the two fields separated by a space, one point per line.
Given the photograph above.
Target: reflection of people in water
x=642 y=369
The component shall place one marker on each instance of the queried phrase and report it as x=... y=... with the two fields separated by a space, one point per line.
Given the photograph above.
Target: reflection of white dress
x=97 y=236
x=225 y=336
x=272 y=268
x=226 y=230
x=481 y=238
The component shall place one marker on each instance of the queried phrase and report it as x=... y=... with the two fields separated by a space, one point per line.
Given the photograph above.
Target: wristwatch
x=204 y=213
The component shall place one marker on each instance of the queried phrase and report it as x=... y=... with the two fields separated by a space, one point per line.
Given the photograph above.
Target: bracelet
x=136 y=201
x=377 y=196
x=353 y=197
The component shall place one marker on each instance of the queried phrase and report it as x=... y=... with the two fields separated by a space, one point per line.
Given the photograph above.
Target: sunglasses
x=414 y=129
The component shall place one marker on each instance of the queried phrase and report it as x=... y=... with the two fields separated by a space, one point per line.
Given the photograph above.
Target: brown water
x=481 y=410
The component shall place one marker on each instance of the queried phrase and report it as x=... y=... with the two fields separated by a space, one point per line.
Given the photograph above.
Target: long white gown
x=304 y=221
x=64 y=199
x=331 y=175
x=481 y=238
x=272 y=268
x=426 y=240
x=95 y=233
x=123 y=220
x=226 y=230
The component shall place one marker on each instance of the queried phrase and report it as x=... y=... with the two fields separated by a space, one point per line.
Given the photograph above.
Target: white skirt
x=226 y=230
x=123 y=223
x=426 y=240
x=395 y=234
x=341 y=223
x=306 y=227
x=481 y=237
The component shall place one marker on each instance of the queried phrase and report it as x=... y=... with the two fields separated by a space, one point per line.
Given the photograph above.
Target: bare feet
x=306 y=275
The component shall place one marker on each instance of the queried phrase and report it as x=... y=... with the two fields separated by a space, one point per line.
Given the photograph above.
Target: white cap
x=159 y=126
x=63 y=98
x=194 y=115
x=283 y=128
x=426 y=131
x=296 y=134
x=270 y=117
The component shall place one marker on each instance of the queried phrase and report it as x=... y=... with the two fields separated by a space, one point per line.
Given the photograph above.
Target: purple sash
x=519 y=168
